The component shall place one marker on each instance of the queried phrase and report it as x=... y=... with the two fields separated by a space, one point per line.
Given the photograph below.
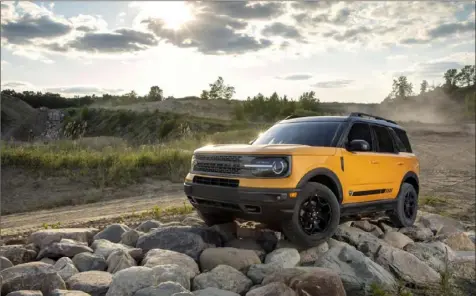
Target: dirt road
x=446 y=153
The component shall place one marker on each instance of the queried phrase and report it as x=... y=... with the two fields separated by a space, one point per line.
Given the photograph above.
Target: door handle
x=399 y=163
x=374 y=162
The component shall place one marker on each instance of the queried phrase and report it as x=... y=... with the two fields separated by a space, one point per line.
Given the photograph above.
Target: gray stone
x=26 y=293
x=247 y=244
x=460 y=242
x=364 y=242
x=172 y=273
x=46 y=237
x=440 y=225
x=17 y=254
x=397 y=239
x=357 y=272
x=112 y=233
x=193 y=221
x=105 y=248
x=227 y=231
x=211 y=291
x=223 y=277
x=119 y=260
x=148 y=225
x=407 y=267
x=418 y=234
x=285 y=257
x=163 y=289
x=89 y=262
x=258 y=272
x=5 y=263
x=64 y=248
x=68 y=293
x=157 y=257
x=365 y=225
x=31 y=276
x=95 y=283
x=432 y=253
x=272 y=289
x=130 y=237
x=65 y=268
x=322 y=282
x=286 y=275
x=48 y=261
x=174 y=239
x=128 y=281
x=236 y=258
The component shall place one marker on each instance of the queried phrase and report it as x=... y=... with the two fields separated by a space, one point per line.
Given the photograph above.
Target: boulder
x=65 y=268
x=48 y=261
x=146 y=226
x=440 y=225
x=356 y=271
x=64 y=248
x=227 y=231
x=88 y=261
x=174 y=239
x=286 y=275
x=284 y=257
x=112 y=233
x=26 y=293
x=211 y=291
x=119 y=260
x=236 y=258
x=397 y=239
x=5 y=263
x=407 y=267
x=104 y=248
x=322 y=282
x=68 y=293
x=257 y=272
x=31 y=276
x=432 y=253
x=46 y=237
x=267 y=238
x=17 y=254
x=157 y=257
x=308 y=256
x=364 y=242
x=459 y=241
x=128 y=281
x=94 y=282
x=272 y=289
x=365 y=225
x=223 y=277
x=193 y=221
x=130 y=237
x=173 y=273
x=163 y=289
x=247 y=244
x=418 y=234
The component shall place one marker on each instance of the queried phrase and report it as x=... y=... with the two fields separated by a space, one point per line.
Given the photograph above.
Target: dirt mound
x=19 y=120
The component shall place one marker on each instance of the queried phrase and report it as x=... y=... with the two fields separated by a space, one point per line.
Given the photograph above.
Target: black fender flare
x=407 y=176
x=323 y=172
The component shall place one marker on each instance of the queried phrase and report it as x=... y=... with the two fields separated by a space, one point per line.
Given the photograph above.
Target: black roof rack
x=360 y=114
x=293 y=116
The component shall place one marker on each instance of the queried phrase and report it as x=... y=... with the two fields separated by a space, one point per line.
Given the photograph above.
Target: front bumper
x=256 y=204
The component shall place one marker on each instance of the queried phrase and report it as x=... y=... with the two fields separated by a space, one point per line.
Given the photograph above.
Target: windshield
x=317 y=133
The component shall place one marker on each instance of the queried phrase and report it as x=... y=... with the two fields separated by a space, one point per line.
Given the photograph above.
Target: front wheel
x=316 y=216
x=405 y=211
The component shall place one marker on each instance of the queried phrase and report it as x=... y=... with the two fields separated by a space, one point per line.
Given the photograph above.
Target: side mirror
x=358 y=145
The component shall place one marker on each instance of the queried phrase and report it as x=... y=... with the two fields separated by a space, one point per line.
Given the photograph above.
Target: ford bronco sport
x=304 y=173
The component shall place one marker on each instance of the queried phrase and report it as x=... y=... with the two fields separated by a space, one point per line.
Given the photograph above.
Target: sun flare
x=174 y=14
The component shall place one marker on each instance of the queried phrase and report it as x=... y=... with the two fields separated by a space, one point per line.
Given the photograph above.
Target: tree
x=402 y=88
x=450 y=77
x=155 y=93
x=204 y=95
x=423 y=86
x=219 y=91
x=132 y=95
x=308 y=101
x=466 y=76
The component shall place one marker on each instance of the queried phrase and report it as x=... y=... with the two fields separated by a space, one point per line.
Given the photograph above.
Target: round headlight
x=279 y=166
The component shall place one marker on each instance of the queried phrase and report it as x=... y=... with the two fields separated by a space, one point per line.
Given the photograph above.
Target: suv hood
x=288 y=149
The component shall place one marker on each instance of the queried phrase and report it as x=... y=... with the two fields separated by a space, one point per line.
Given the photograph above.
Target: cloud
x=243 y=9
x=31 y=54
x=88 y=23
x=16 y=85
x=296 y=77
x=444 y=30
x=28 y=28
x=333 y=83
x=282 y=30
x=83 y=90
x=121 y=40
x=210 y=34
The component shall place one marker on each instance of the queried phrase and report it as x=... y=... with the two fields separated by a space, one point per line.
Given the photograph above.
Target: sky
x=343 y=51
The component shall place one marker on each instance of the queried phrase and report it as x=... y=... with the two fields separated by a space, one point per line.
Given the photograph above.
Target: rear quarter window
x=403 y=138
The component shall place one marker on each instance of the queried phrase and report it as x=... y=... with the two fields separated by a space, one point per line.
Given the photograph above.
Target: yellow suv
x=304 y=173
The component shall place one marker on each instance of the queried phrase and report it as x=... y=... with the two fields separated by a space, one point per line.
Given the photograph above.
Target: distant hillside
x=18 y=119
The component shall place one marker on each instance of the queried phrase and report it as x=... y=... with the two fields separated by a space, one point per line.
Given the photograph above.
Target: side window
x=402 y=135
x=360 y=131
x=384 y=139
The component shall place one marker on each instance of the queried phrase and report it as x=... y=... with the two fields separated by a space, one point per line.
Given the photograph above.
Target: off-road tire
x=397 y=216
x=212 y=218
x=292 y=228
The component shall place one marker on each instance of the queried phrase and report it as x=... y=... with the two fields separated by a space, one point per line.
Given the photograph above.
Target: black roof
x=362 y=117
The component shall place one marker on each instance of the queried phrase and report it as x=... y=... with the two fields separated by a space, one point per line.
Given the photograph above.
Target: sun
x=175 y=14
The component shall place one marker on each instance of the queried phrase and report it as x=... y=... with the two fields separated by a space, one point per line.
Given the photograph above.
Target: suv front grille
x=230 y=165
x=216 y=181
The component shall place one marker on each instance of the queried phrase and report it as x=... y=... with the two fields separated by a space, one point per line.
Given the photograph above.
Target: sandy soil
x=446 y=153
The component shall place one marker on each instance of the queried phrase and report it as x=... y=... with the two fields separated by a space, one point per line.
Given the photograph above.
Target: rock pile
x=189 y=258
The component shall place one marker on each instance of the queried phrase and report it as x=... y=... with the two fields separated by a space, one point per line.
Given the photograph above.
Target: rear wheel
x=213 y=218
x=315 y=218
x=405 y=212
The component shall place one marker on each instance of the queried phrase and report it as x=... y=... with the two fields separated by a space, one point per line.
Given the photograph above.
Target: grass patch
x=433 y=201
